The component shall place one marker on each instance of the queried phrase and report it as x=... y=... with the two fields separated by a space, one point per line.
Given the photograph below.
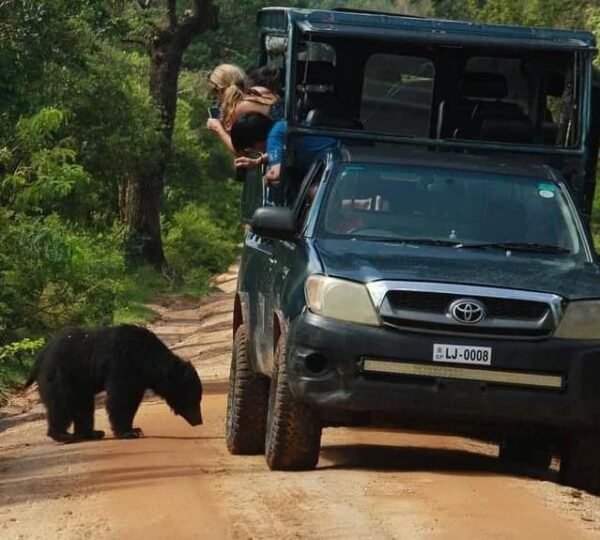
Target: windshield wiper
x=422 y=241
x=532 y=247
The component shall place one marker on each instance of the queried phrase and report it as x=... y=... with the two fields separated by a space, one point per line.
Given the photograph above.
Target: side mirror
x=274 y=222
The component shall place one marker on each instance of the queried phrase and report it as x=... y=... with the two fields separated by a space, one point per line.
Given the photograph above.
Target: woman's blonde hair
x=232 y=97
x=226 y=75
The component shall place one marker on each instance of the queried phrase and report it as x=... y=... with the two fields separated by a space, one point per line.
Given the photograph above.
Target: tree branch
x=204 y=17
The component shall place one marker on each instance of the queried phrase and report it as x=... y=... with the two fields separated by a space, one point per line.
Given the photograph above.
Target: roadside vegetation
x=79 y=123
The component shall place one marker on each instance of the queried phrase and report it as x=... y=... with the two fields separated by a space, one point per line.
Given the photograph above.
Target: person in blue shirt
x=257 y=132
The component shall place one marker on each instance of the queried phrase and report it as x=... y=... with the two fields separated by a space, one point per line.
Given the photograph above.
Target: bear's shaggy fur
x=123 y=360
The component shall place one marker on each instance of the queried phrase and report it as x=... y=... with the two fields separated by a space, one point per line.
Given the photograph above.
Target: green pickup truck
x=434 y=270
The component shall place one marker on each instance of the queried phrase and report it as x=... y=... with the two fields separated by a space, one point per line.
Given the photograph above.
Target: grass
x=146 y=284
x=141 y=286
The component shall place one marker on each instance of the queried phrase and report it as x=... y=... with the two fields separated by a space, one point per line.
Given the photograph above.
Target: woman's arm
x=215 y=125
x=243 y=162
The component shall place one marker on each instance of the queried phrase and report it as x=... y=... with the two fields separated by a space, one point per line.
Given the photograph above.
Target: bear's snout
x=194 y=419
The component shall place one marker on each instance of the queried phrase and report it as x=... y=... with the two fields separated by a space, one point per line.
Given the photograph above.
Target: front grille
x=464 y=329
x=515 y=309
x=426 y=307
x=420 y=301
x=501 y=308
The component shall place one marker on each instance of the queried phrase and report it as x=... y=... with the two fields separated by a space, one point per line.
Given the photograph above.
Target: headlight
x=340 y=299
x=580 y=321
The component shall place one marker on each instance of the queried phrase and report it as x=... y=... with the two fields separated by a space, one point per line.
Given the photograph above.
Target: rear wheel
x=580 y=463
x=526 y=451
x=247 y=401
x=293 y=429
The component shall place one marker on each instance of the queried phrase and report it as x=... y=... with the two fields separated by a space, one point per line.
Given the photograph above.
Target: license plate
x=457 y=354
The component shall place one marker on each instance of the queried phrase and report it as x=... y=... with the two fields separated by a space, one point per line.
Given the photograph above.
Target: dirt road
x=180 y=482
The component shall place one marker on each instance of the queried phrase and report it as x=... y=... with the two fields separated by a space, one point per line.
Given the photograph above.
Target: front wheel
x=293 y=429
x=580 y=463
x=247 y=402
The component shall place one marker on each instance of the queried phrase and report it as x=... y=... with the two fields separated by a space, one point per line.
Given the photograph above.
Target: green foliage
x=15 y=362
x=76 y=123
x=55 y=275
x=195 y=241
x=140 y=286
x=593 y=21
x=39 y=173
x=19 y=351
x=236 y=41
x=549 y=13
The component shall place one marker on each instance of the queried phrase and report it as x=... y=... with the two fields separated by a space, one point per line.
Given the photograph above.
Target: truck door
x=255 y=263
x=284 y=254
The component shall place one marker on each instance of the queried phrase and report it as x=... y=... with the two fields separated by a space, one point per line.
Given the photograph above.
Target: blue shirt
x=308 y=146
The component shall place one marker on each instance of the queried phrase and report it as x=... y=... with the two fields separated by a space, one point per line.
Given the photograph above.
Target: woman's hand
x=214 y=124
x=244 y=162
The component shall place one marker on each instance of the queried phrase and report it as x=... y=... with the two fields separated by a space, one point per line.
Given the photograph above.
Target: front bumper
x=326 y=368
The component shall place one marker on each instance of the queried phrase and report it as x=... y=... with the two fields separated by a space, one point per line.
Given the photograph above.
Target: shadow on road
x=176 y=438
x=423 y=459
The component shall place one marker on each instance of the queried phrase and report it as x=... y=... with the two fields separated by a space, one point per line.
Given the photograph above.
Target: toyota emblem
x=467 y=311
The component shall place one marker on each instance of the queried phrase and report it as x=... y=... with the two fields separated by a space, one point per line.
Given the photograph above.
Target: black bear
x=123 y=360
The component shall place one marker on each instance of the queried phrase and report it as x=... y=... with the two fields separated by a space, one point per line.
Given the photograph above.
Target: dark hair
x=249 y=129
x=269 y=77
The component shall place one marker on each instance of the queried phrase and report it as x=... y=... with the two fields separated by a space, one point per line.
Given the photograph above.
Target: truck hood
x=367 y=261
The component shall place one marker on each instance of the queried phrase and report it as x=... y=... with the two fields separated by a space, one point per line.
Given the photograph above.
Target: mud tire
x=247 y=402
x=294 y=430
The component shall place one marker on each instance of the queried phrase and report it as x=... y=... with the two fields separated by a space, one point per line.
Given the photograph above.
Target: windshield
x=461 y=209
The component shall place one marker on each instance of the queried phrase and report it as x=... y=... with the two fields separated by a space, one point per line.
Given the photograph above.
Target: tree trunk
x=143 y=194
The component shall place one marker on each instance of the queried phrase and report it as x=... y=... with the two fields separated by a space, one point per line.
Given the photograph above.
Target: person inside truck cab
x=255 y=132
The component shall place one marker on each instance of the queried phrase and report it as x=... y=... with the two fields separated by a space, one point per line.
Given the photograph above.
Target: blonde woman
x=236 y=100
x=221 y=79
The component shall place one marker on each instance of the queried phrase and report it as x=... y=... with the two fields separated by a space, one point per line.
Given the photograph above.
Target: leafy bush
x=15 y=362
x=195 y=241
x=54 y=275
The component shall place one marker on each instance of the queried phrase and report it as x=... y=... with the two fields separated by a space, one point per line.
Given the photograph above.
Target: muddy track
x=180 y=482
